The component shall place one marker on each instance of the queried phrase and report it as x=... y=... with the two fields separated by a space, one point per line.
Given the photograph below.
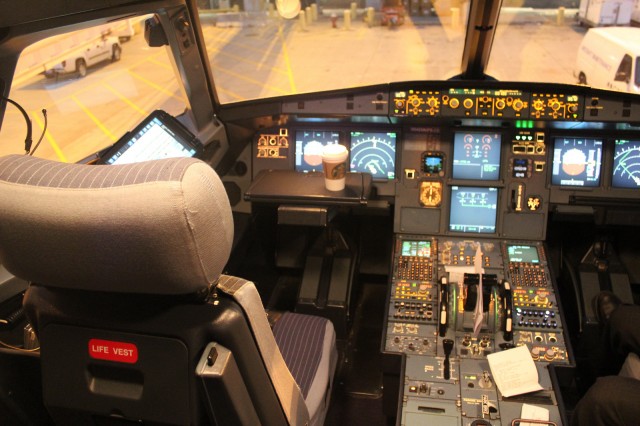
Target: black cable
x=44 y=130
x=27 y=141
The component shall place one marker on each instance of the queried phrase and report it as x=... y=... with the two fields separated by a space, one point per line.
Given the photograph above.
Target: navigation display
x=473 y=209
x=158 y=136
x=576 y=162
x=626 y=164
x=374 y=153
x=476 y=155
x=309 y=145
x=524 y=254
x=416 y=248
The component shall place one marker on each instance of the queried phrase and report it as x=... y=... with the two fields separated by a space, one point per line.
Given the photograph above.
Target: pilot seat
x=136 y=322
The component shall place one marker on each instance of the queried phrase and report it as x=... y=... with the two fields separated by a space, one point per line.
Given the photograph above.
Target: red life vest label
x=110 y=350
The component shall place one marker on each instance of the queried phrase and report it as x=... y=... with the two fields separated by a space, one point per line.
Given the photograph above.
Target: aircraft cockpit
x=487 y=202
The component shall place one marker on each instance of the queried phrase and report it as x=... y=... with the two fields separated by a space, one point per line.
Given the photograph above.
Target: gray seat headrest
x=158 y=227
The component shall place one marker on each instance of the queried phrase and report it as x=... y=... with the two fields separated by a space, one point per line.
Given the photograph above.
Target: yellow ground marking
x=126 y=100
x=287 y=61
x=94 y=119
x=160 y=63
x=243 y=59
x=230 y=93
x=155 y=86
x=251 y=80
x=49 y=138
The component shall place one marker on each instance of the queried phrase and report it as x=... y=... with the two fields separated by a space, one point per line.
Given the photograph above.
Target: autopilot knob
x=538 y=104
x=518 y=104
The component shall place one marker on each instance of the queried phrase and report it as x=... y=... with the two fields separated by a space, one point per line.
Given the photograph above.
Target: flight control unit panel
x=439 y=286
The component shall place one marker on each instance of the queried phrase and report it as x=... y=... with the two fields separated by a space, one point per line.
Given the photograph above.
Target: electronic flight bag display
x=159 y=136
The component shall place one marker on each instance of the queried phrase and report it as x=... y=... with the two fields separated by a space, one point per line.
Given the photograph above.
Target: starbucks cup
x=334 y=164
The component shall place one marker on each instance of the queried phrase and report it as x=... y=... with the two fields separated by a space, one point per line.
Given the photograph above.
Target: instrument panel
x=433 y=301
x=452 y=179
x=471 y=176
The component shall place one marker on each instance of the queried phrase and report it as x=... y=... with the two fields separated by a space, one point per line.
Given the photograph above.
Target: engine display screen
x=309 y=145
x=524 y=254
x=626 y=164
x=476 y=155
x=374 y=153
x=473 y=209
x=416 y=248
x=576 y=162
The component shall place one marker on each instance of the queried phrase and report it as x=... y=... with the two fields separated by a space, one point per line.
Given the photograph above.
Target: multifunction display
x=416 y=248
x=576 y=161
x=473 y=209
x=626 y=164
x=476 y=155
x=374 y=153
x=309 y=146
x=524 y=254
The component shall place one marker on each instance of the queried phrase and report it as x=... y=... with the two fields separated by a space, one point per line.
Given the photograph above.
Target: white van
x=609 y=58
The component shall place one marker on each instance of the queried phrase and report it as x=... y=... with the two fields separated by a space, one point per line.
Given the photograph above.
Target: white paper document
x=514 y=371
x=533 y=412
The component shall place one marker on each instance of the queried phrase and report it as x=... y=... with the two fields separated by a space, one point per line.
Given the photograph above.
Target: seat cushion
x=308 y=346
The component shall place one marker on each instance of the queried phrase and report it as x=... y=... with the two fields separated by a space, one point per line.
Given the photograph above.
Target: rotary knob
x=549 y=355
x=454 y=103
x=538 y=104
x=500 y=104
x=518 y=104
x=415 y=101
x=467 y=103
x=432 y=102
x=554 y=104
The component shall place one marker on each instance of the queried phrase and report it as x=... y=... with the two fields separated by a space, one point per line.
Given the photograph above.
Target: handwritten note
x=514 y=371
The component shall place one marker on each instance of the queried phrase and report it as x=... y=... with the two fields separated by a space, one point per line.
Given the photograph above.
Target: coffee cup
x=334 y=164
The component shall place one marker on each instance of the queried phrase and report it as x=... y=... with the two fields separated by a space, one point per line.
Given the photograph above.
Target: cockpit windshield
x=336 y=45
x=102 y=79
x=258 y=54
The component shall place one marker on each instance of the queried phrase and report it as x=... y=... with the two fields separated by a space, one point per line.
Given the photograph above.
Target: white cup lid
x=334 y=152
